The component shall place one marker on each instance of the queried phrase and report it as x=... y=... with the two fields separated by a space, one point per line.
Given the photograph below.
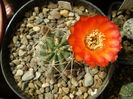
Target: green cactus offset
x=126 y=91
x=128 y=28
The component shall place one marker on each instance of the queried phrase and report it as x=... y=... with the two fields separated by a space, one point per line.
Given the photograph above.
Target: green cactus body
x=126 y=91
x=128 y=28
x=56 y=51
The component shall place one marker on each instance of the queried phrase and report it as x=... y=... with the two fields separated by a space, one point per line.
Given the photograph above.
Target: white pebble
x=36 y=28
x=19 y=73
x=45 y=85
x=94 y=92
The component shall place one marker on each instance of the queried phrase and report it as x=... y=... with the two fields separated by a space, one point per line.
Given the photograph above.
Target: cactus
x=128 y=28
x=126 y=91
x=55 y=53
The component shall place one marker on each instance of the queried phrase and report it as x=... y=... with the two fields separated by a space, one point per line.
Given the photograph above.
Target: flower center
x=94 y=40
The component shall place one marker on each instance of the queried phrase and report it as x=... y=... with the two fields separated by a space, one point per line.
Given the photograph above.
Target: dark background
x=5 y=91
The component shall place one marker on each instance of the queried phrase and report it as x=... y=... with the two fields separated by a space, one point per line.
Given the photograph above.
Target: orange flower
x=95 y=40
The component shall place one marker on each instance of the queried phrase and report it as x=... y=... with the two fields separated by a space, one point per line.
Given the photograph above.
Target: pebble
x=38 y=74
x=94 y=71
x=16 y=62
x=46 y=20
x=45 y=85
x=94 y=92
x=102 y=75
x=39 y=20
x=28 y=75
x=45 y=10
x=19 y=73
x=15 y=39
x=31 y=85
x=89 y=91
x=54 y=14
x=40 y=96
x=64 y=13
x=66 y=90
x=42 y=90
x=38 y=91
x=71 y=96
x=79 y=93
x=49 y=96
x=55 y=90
x=85 y=95
x=19 y=66
x=83 y=89
x=88 y=80
x=74 y=82
x=21 y=53
x=36 y=28
x=64 y=5
x=71 y=14
x=66 y=97
x=23 y=47
x=36 y=9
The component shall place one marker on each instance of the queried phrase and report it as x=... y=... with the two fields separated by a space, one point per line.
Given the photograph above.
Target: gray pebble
x=55 y=14
x=19 y=66
x=19 y=73
x=39 y=20
x=40 y=96
x=49 y=96
x=64 y=5
x=74 y=82
x=21 y=53
x=36 y=28
x=88 y=80
x=28 y=75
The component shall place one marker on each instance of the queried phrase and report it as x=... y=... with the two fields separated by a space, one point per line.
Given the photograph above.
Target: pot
x=18 y=16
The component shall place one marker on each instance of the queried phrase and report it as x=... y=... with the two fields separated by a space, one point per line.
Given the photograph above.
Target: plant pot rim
x=4 y=49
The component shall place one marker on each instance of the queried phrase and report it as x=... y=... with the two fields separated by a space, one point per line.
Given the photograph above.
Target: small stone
x=71 y=96
x=23 y=47
x=36 y=28
x=66 y=97
x=71 y=14
x=47 y=89
x=42 y=90
x=94 y=92
x=46 y=20
x=74 y=82
x=38 y=74
x=36 y=9
x=21 y=53
x=83 y=89
x=49 y=96
x=31 y=85
x=94 y=71
x=66 y=90
x=40 y=96
x=38 y=91
x=79 y=93
x=24 y=40
x=64 y=5
x=17 y=62
x=80 y=75
x=15 y=39
x=54 y=14
x=64 y=13
x=19 y=73
x=28 y=75
x=45 y=10
x=55 y=90
x=68 y=23
x=60 y=90
x=88 y=80
x=85 y=95
x=52 y=5
x=102 y=75
x=19 y=66
x=29 y=25
x=39 y=20
x=89 y=91
x=45 y=85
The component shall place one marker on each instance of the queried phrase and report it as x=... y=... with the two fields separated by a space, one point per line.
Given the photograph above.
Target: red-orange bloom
x=95 y=40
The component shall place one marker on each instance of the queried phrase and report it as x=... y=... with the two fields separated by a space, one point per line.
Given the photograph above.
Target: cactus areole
x=95 y=40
